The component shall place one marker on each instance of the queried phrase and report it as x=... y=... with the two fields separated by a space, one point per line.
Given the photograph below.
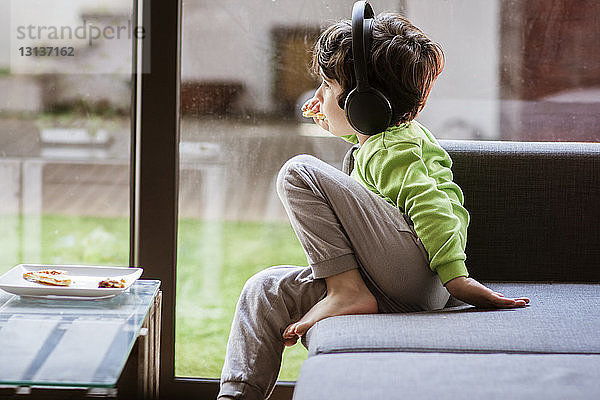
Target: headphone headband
x=367 y=109
x=362 y=24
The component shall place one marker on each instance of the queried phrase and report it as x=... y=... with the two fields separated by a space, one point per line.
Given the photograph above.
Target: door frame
x=155 y=133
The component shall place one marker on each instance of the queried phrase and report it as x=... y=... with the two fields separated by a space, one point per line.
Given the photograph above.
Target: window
x=237 y=105
x=241 y=89
x=515 y=70
x=64 y=133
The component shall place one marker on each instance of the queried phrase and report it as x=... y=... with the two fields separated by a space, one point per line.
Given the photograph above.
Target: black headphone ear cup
x=369 y=112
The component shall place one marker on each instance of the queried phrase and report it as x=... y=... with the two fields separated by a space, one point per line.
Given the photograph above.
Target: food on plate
x=111 y=283
x=54 y=277
x=311 y=114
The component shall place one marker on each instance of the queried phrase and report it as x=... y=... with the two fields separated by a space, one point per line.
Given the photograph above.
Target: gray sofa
x=535 y=231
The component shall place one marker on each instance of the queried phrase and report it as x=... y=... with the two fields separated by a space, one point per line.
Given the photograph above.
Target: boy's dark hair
x=403 y=63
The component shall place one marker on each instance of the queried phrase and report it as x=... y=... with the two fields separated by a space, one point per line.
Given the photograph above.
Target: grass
x=214 y=261
x=57 y=239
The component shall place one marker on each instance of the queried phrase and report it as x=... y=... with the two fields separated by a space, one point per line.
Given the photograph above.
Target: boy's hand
x=472 y=292
x=315 y=106
x=311 y=104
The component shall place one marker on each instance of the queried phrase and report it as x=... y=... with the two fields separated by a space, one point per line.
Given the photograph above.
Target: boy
x=389 y=238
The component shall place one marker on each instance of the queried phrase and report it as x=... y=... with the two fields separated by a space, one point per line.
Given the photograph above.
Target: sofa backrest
x=535 y=209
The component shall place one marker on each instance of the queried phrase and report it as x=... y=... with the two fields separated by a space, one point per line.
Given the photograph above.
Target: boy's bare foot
x=346 y=294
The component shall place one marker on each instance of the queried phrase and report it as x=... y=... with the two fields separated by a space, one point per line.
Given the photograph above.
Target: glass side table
x=81 y=345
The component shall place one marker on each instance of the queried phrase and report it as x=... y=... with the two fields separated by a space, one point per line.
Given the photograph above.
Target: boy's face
x=327 y=95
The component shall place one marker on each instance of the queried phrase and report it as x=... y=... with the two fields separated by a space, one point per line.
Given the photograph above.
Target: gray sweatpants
x=341 y=225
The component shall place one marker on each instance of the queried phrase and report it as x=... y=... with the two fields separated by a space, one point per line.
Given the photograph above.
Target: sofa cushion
x=561 y=318
x=534 y=209
x=436 y=376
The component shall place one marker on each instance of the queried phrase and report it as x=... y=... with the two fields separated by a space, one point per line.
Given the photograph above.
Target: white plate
x=85 y=279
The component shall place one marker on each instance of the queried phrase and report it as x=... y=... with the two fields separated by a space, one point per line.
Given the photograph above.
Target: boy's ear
x=368 y=111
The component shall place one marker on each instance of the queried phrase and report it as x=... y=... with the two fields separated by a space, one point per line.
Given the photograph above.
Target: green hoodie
x=407 y=167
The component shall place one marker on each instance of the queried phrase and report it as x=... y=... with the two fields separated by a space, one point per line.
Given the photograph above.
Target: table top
x=82 y=343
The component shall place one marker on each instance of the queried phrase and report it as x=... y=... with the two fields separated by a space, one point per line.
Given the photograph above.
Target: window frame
x=154 y=182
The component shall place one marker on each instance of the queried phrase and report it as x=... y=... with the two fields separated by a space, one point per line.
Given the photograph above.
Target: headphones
x=367 y=109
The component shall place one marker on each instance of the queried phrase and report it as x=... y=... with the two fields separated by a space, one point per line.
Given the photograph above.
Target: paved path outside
x=228 y=168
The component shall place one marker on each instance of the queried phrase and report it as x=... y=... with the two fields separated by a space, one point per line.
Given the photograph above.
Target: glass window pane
x=64 y=132
x=245 y=72
x=515 y=70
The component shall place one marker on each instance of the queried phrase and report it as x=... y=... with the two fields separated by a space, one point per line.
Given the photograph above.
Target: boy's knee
x=292 y=169
x=275 y=282
x=263 y=283
x=295 y=164
x=257 y=283
x=302 y=160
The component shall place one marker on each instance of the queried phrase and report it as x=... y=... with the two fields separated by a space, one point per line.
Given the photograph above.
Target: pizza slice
x=311 y=114
x=111 y=283
x=54 y=277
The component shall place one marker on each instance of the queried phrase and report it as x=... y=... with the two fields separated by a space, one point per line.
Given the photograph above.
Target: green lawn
x=214 y=261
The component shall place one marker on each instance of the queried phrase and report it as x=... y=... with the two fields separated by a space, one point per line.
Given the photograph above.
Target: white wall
x=4 y=34
x=48 y=13
x=465 y=96
x=230 y=39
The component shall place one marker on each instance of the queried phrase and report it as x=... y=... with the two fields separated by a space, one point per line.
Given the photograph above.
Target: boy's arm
x=403 y=176
x=400 y=174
